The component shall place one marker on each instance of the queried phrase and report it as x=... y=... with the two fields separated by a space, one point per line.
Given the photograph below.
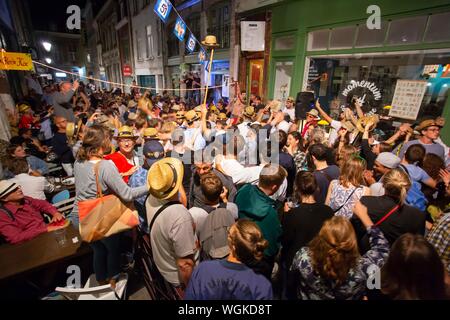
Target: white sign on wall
x=253 y=35
x=408 y=98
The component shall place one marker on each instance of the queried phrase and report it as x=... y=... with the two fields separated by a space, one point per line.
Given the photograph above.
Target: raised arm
x=323 y=114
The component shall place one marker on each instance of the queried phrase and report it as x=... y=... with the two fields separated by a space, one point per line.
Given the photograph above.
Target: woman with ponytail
x=394 y=217
x=331 y=266
x=231 y=278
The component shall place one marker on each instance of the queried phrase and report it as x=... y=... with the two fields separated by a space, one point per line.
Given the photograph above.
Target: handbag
x=105 y=215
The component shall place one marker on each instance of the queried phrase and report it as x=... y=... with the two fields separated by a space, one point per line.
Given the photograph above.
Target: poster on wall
x=253 y=35
x=408 y=98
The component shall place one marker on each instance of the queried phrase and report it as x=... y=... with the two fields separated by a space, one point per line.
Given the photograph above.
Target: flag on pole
x=191 y=43
x=202 y=55
x=162 y=9
x=180 y=29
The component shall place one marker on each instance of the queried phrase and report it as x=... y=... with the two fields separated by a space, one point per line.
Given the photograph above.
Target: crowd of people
x=240 y=199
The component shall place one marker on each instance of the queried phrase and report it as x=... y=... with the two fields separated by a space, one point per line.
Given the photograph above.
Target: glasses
x=434 y=130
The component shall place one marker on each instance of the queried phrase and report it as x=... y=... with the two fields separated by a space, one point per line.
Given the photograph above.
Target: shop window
x=406 y=31
x=173 y=42
x=219 y=24
x=284 y=71
x=342 y=38
x=285 y=43
x=438 y=28
x=318 y=40
x=371 y=38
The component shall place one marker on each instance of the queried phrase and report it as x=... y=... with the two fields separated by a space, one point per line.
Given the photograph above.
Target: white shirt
x=33 y=187
x=239 y=173
x=191 y=134
x=290 y=112
x=199 y=215
x=284 y=126
x=336 y=125
x=243 y=129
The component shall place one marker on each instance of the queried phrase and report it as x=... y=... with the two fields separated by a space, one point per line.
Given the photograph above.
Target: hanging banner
x=202 y=55
x=191 y=43
x=180 y=29
x=162 y=9
x=15 y=61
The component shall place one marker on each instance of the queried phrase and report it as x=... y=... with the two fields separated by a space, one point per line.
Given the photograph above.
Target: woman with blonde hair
x=390 y=211
x=231 y=278
x=345 y=153
x=330 y=267
x=345 y=192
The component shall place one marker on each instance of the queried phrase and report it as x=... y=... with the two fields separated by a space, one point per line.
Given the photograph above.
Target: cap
x=388 y=159
x=153 y=151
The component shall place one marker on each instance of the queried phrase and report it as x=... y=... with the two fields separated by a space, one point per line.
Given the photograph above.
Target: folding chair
x=158 y=288
x=93 y=291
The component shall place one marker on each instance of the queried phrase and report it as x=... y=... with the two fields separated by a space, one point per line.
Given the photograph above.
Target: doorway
x=256 y=77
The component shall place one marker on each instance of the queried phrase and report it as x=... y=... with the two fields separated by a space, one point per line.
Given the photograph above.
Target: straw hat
x=275 y=105
x=222 y=117
x=176 y=107
x=362 y=122
x=191 y=116
x=314 y=113
x=249 y=112
x=290 y=99
x=180 y=115
x=23 y=108
x=132 y=116
x=132 y=103
x=210 y=41
x=426 y=124
x=165 y=177
x=125 y=132
x=151 y=134
x=348 y=125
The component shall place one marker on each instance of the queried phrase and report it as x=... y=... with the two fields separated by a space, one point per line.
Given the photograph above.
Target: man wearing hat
x=171 y=225
x=27 y=120
x=312 y=118
x=385 y=162
x=153 y=151
x=289 y=109
x=62 y=100
x=125 y=159
x=193 y=138
x=429 y=132
x=247 y=116
x=61 y=145
x=180 y=118
x=151 y=134
x=132 y=108
x=21 y=217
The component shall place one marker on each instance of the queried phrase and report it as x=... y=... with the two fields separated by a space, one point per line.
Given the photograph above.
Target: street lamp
x=47 y=46
x=48 y=60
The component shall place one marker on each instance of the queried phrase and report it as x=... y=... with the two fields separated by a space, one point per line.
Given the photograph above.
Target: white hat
x=388 y=160
x=6 y=187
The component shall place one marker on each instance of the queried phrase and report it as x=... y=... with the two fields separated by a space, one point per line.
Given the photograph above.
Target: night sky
x=45 y=12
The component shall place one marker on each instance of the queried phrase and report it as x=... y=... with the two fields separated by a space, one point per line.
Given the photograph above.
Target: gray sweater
x=109 y=179
x=62 y=103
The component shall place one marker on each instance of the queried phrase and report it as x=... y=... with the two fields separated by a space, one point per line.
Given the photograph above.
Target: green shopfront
x=325 y=46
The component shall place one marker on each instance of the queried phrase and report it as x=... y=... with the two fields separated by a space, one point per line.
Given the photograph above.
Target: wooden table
x=17 y=260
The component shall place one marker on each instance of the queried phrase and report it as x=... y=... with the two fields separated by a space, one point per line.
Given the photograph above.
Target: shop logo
x=74 y=280
x=364 y=85
x=374 y=20
x=74 y=20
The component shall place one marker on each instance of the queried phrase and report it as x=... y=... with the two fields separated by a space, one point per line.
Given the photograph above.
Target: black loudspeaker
x=303 y=104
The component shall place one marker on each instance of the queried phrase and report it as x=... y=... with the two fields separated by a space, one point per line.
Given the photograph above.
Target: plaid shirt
x=439 y=237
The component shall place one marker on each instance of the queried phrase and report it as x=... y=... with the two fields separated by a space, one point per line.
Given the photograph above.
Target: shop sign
x=408 y=98
x=370 y=86
x=253 y=35
x=15 y=61
x=127 y=70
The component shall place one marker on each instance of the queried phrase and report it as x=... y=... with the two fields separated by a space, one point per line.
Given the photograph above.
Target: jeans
x=107 y=255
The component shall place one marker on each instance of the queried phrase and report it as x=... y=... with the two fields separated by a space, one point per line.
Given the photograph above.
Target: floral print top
x=311 y=286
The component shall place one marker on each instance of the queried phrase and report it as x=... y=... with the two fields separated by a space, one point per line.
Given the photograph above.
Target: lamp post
x=210 y=42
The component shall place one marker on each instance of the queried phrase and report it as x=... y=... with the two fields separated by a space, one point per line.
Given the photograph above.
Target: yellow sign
x=15 y=61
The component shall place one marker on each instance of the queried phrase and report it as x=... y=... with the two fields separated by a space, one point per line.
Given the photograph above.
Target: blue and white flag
x=191 y=43
x=202 y=55
x=162 y=9
x=180 y=29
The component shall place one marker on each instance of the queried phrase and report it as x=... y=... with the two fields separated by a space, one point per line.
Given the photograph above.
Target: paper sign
x=15 y=61
x=162 y=9
x=191 y=43
x=408 y=98
x=180 y=29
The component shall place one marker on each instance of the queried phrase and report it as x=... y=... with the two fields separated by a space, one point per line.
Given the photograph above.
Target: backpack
x=415 y=196
x=213 y=235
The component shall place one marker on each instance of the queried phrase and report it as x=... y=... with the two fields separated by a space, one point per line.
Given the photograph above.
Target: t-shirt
x=61 y=148
x=172 y=237
x=434 y=147
x=417 y=173
x=324 y=177
x=405 y=220
x=224 y=280
x=336 y=125
x=199 y=215
x=290 y=112
x=300 y=226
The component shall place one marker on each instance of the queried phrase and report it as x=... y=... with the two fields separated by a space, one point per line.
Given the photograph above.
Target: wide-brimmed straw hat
x=165 y=177
x=151 y=133
x=191 y=116
x=210 y=41
x=249 y=112
x=314 y=113
x=426 y=124
x=125 y=132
